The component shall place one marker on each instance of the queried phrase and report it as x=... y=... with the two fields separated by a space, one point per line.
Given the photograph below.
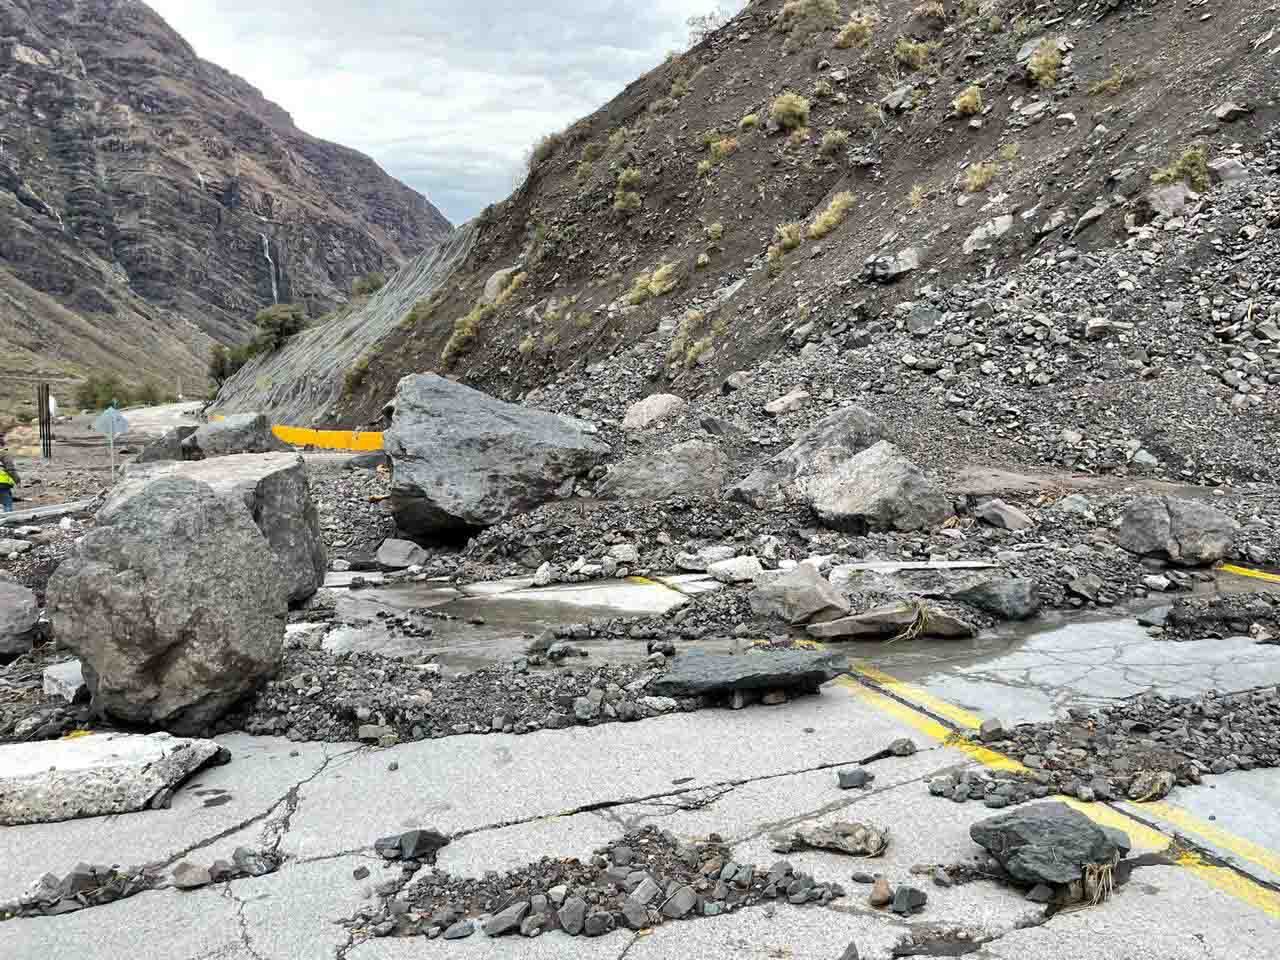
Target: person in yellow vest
x=8 y=478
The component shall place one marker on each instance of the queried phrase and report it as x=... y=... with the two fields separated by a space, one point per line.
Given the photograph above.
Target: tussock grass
x=857 y=32
x=789 y=236
x=822 y=89
x=917 y=197
x=656 y=283
x=833 y=216
x=969 y=102
x=1114 y=82
x=1191 y=168
x=790 y=111
x=465 y=330
x=833 y=142
x=714 y=232
x=912 y=54
x=749 y=122
x=798 y=137
x=514 y=283
x=1045 y=64
x=723 y=148
x=978 y=176
x=802 y=18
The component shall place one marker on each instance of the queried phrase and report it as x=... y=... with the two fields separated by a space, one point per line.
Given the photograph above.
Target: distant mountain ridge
x=151 y=202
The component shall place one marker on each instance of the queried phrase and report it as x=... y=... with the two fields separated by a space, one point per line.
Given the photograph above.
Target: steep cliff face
x=162 y=201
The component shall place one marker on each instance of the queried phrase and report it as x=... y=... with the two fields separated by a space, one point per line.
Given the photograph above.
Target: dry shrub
x=1045 y=64
x=979 y=176
x=822 y=89
x=629 y=178
x=514 y=283
x=833 y=216
x=749 y=122
x=917 y=197
x=789 y=111
x=723 y=148
x=627 y=201
x=527 y=344
x=800 y=18
x=661 y=281
x=617 y=139
x=912 y=54
x=541 y=151
x=1009 y=152
x=705 y=167
x=857 y=32
x=1113 y=83
x=930 y=10
x=1191 y=168
x=969 y=102
x=789 y=236
x=465 y=330
x=714 y=232
x=798 y=138
x=834 y=141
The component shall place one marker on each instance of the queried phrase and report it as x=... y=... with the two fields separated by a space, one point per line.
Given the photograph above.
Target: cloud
x=446 y=95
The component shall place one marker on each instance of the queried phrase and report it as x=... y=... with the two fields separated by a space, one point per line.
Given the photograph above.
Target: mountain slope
x=1048 y=296
x=163 y=201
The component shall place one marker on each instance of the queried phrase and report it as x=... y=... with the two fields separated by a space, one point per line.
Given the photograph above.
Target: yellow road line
x=1214 y=835
x=1140 y=835
x=1250 y=572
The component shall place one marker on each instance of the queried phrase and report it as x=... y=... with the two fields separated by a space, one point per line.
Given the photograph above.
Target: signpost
x=112 y=423
x=46 y=408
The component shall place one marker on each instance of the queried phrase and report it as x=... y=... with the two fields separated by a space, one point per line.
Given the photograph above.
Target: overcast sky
x=447 y=95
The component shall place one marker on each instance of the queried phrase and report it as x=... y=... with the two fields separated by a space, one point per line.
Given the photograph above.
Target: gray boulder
x=695 y=468
x=19 y=615
x=167 y=447
x=1048 y=843
x=1009 y=598
x=878 y=489
x=1186 y=532
x=819 y=451
x=698 y=673
x=175 y=605
x=399 y=554
x=798 y=596
x=462 y=459
x=276 y=491
x=241 y=433
x=894 y=620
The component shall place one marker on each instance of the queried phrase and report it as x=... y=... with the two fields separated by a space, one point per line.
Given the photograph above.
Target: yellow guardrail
x=355 y=440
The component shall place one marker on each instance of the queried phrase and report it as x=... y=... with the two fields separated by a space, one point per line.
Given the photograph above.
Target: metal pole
x=111 y=444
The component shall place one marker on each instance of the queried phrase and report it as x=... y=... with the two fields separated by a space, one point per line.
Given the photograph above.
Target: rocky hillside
x=151 y=202
x=1022 y=233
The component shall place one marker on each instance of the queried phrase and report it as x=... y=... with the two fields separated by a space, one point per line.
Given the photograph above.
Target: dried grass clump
x=723 y=148
x=979 y=176
x=969 y=102
x=465 y=330
x=790 y=111
x=647 y=286
x=833 y=216
x=917 y=197
x=801 y=18
x=833 y=142
x=1113 y=83
x=1045 y=64
x=857 y=32
x=749 y=122
x=912 y=54
x=514 y=283
x=789 y=236
x=1191 y=168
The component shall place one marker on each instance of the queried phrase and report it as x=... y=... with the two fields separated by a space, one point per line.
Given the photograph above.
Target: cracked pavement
x=511 y=800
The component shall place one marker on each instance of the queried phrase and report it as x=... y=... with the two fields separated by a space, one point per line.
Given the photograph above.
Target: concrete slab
x=295 y=912
x=1163 y=912
x=465 y=783
x=1232 y=815
x=217 y=810
x=1029 y=674
x=479 y=947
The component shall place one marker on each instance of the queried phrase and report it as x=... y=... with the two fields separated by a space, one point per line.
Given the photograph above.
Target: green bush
x=277 y=324
x=370 y=283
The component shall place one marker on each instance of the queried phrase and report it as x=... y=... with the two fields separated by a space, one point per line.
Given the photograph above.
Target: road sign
x=112 y=422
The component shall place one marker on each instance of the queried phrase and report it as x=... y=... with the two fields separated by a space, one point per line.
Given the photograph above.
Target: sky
x=445 y=95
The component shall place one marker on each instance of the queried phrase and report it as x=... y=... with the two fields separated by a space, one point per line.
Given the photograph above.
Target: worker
x=8 y=478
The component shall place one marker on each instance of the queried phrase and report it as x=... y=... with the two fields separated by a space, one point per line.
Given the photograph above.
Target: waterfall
x=266 y=252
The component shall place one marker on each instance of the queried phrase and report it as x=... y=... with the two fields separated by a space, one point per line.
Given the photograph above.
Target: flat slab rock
x=95 y=775
x=1048 y=843
x=698 y=673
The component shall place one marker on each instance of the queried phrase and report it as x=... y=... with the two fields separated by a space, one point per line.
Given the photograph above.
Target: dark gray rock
x=240 y=433
x=1045 y=843
x=636 y=916
x=573 y=915
x=275 y=489
x=1009 y=598
x=680 y=903
x=907 y=900
x=854 y=779
x=168 y=446
x=698 y=673
x=459 y=930
x=1185 y=532
x=820 y=450
x=877 y=489
x=694 y=468
x=598 y=923
x=462 y=459
x=504 y=921
x=175 y=605
x=19 y=616
x=367 y=461
x=798 y=596
x=399 y=554
x=850 y=952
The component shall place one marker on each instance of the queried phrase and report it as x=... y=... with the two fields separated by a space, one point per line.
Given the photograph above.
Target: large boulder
x=174 y=603
x=698 y=673
x=695 y=468
x=894 y=620
x=462 y=459
x=1048 y=843
x=878 y=489
x=1010 y=598
x=19 y=615
x=240 y=433
x=651 y=409
x=277 y=493
x=798 y=596
x=98 y=775
x=818 y=451
x=1185 y=532
x=168 y=446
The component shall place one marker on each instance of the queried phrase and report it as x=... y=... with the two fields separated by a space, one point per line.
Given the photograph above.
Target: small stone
x=187 y=876
x=359 y=873
x=854 y=779
x=573 y=915
x=507 y=920
x=456 y=931
x=907 y=900
x=991 y=729
x=903 y=747
x=1040 y=893
x=881 y=893
x=680 y=903
x=598 y=923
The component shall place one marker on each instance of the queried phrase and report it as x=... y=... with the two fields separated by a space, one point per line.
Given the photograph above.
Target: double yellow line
x=921 y=711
